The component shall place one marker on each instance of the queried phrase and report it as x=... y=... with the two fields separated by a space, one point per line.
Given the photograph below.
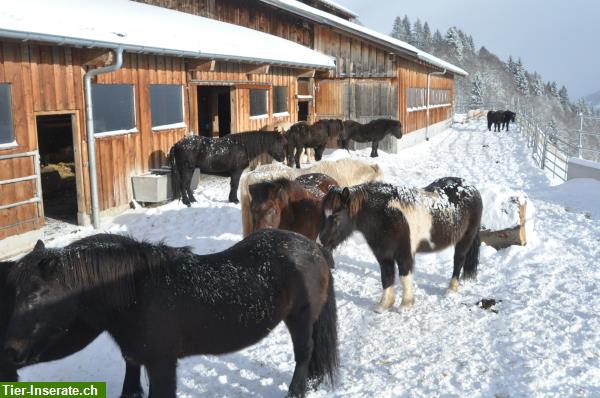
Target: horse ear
x=345 y=196
x=39 y=246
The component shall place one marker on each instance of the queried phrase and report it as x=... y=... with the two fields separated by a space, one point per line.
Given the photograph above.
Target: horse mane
x=255 y=142
x=107 y=265
x=358 y=197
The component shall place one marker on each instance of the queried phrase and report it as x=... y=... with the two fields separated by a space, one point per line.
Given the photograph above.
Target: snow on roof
x=339 y=7
x=370 y=34
x=143 y=28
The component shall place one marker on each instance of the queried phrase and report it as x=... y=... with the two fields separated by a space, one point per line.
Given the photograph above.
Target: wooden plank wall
x=251 y=14
x=412 y=75
x=354 y=56
x=49 y=79
x=240 y=95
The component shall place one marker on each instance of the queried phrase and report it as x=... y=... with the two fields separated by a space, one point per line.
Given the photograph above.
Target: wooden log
x=510 y=236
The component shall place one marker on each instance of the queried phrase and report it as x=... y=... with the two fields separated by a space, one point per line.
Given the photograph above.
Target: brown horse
x=303 y=135
x=293 y=205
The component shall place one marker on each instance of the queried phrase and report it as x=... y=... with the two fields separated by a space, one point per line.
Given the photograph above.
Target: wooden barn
x=92 y=93
x=375 y=75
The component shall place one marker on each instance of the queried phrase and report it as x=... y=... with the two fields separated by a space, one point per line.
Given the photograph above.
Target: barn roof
x=339 y=7
x=325 y=18
x=143 y=28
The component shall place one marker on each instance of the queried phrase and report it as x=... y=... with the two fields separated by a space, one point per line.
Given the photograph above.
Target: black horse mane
x=359 y=195
x=105 y=264
x=255 y=142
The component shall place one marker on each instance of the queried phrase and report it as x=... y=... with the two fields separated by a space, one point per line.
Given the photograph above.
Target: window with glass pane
x=166 y=104
x=258 y=102
x=280 y=99
x=113 y=107
x=7 y=134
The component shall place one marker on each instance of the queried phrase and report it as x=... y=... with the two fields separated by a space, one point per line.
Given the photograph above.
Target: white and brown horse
x=398 y=222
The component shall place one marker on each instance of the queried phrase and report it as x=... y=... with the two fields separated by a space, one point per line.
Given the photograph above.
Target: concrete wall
x=581 y=168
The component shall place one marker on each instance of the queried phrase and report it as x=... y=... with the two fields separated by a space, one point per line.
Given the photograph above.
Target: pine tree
x=438 y=39
x=521 y=80
x=417 y=34
x=553 y=89
x=407 y=30
x=563 y=96
x=453 y=38
x=427 y=39
x=476 y=100
x=397 y=29
x=536 y=84
x=511 y=65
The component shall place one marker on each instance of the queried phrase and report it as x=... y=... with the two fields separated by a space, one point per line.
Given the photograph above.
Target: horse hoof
x=453 y=287
x=407 y=304
x=137 y=394
x=380 y=309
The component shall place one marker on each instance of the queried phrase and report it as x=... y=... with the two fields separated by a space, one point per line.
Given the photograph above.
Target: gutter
x=428 y=98
x=89 y=115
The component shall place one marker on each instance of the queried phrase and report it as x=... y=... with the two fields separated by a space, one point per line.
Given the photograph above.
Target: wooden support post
x=97 y=58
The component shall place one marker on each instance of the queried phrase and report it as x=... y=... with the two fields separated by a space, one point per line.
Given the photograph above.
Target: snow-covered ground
x=543 y=341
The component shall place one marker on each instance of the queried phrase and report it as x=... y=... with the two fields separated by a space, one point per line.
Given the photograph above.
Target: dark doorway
x=214 y=111
x=59 y=186
x=303 y=111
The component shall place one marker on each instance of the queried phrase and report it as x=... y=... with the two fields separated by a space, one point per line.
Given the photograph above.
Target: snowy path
x=544 y=340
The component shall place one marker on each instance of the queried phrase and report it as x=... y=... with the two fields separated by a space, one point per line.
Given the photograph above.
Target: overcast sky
x=558 y=38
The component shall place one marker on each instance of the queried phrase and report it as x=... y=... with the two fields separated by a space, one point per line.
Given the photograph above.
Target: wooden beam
x=258 y=70
x=97 y=58
x=201 y=65
x=306 y=73
x=325 y=74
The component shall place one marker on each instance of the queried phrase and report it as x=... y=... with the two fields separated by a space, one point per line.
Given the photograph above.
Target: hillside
x=543 y=340
x=594 y=99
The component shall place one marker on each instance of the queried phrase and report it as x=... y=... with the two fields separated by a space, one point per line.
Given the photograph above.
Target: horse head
x=268 y=200
x=278 y=148
x=395 y=129
x=42 y=306
x=337 y=212
x=510 y=116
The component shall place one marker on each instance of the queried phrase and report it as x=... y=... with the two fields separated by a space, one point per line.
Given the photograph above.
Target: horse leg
x=405 y=270
x=190 y=191
x=374 y=147
x=301 y=330
x=460 y=254
x=233 y=185
x=131 y=384
x=162 y=375
x=297 y=156
x=184 y=186
x=319 y=152
x=387 y=281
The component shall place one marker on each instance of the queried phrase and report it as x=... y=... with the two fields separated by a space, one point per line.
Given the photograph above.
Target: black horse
x=303 y=135
x=224 y=156
x=398 y=222
x=507 y=118
x=161 y=303
x=374 y=131
x=78 y=336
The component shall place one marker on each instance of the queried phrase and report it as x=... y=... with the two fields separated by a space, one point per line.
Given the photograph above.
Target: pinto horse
x=303 y=135
x=373 y=132
x=345 y=171
x=225 y=156
x=161 y=303
x=293 y=205
x=78 y=336
x=398 y=222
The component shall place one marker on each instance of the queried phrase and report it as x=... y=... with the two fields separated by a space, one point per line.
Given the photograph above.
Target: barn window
x=7 y=134
x=280 y=100
x=113 y=108
x=166 y=103
x=259 y=103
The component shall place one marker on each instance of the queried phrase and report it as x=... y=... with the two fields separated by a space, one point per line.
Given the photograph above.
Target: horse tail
x=324 y=359
x=175 y=177
x=245 y=205
x=472 y=258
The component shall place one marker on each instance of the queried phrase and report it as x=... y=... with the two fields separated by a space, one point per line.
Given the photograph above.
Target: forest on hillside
x=493 y=82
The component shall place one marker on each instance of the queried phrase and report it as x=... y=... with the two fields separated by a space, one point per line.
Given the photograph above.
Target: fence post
x=580 y=145
x=544 y=149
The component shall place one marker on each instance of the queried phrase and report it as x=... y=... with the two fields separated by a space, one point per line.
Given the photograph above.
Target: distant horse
x=373 y=132
x=78 y=336
x=496 y=118
x=161 y=303
x=345 y=171
x=293 y=205
x=398 y=222
x=508 y=117
x=303 y=135
x=225 y=156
